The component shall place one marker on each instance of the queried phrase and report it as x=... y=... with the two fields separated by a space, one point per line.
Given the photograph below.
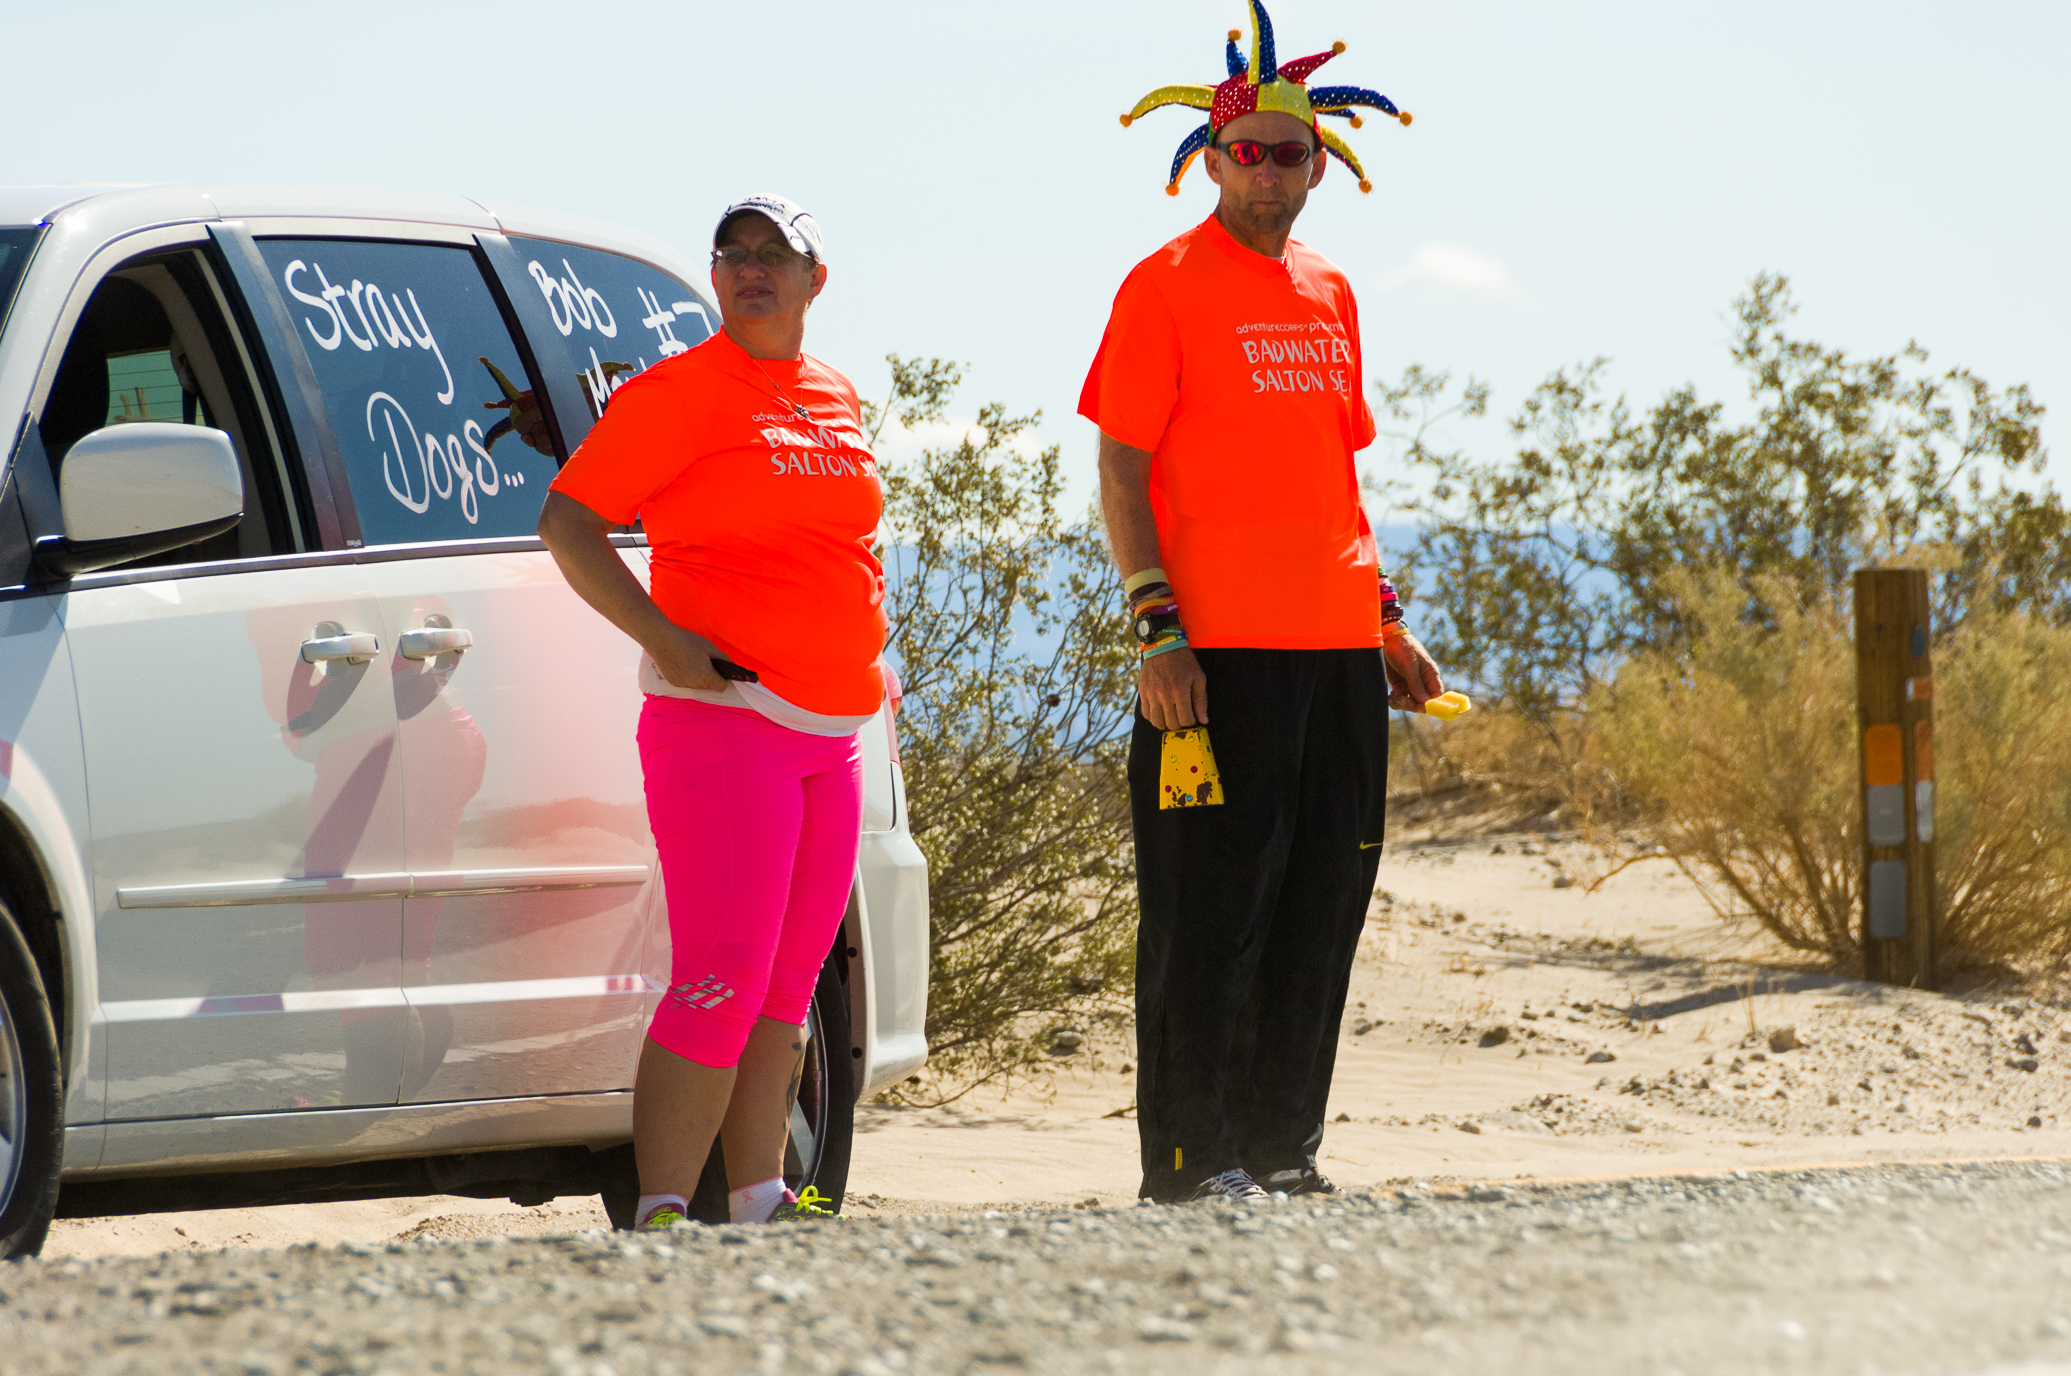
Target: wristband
x=1179 y=643
x=1391 y=608
x=1154 y=616
x=1144 y=579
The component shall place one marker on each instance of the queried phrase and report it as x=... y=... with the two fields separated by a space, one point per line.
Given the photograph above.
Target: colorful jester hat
x=1263 y=84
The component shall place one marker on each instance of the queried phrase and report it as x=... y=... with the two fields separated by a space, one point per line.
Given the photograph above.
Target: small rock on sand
x=1519 y=1122
x=1599 y=1056
x=1783 y=1039
x=1495 y=1036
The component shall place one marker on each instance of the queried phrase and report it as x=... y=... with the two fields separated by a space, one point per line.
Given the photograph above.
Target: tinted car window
x=14 y=256
x=152 y=345
x=620 y=314
x=433 y=412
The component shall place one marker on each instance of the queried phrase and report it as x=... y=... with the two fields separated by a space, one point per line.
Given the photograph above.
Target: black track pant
x=1252 y=912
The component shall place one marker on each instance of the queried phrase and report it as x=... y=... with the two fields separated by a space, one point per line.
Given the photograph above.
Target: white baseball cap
x=798 y=228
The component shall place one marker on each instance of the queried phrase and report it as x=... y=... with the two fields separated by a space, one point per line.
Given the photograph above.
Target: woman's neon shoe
x=801 y=1206
x=662 y=1219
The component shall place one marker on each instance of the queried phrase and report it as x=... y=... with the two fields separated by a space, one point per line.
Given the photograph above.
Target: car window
x=435 y=415
x=154 y=344
x=14 y=257
x=619 y=313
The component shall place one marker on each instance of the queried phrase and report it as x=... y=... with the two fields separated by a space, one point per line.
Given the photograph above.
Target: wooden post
x=1894 y=682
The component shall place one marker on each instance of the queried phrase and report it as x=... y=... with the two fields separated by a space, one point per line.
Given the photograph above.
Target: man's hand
x=1412 y=674
x=685 y=660
x=1174 y=690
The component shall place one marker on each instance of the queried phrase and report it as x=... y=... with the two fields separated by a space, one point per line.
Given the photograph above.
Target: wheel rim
x=808 y=1138
x=14 y=1104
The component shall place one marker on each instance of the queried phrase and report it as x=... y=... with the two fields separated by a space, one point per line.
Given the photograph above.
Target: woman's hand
x=581 y=543
x=685 y=661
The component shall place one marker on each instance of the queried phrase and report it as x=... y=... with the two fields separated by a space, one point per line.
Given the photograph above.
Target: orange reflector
x=1883 y=756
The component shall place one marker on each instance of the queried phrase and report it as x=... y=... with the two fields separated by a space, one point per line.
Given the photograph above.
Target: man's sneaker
x=662 y=1219
x=1307 y=1180
x=1229 y=1185
x=800 y=1206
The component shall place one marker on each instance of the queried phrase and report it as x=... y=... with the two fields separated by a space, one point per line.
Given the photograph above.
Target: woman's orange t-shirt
x=1240 y=374
x=760 y=523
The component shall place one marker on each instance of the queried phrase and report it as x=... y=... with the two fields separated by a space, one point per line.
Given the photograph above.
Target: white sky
x=1599 y=177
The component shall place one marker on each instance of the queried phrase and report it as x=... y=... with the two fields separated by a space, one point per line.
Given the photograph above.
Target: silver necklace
x=781 y=394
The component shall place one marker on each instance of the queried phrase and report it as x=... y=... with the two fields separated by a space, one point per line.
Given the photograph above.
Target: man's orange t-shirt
x=760 y=523
x=1240 y=375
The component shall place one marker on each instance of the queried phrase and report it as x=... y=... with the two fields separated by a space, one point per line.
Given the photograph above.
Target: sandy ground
x=1499 y=1027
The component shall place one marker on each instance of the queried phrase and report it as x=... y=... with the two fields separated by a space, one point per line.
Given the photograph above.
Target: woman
x=745 y=460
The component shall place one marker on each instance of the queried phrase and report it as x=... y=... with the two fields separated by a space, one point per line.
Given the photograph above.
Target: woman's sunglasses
x=1250 y=152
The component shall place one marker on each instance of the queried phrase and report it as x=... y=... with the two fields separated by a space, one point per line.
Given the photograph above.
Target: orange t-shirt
x=760 y=524
x=1240 y=375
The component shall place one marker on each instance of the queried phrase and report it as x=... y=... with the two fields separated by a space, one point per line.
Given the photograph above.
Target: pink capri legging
x=757 y=826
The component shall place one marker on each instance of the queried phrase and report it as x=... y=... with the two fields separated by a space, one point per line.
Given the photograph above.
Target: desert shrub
x=2003 y=805
x=1491 y=770
x=1739 y=745
x=1540 y=571
x=1008 y=632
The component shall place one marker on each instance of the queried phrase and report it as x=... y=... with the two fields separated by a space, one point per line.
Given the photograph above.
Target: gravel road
x=1881 y=1269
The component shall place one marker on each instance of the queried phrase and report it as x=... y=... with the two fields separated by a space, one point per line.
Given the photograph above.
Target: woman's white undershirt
x=755 y=698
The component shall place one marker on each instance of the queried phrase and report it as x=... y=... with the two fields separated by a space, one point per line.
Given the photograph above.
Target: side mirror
x=130 y=491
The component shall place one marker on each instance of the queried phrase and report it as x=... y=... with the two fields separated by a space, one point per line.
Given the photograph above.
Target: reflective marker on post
x=1888 y=899
x=1884 y=773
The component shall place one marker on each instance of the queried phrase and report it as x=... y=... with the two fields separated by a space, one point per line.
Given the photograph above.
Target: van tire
x=830 y=1071
x=32 y=1100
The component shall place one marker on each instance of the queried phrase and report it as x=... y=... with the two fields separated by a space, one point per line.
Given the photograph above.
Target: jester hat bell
x=1259 y=82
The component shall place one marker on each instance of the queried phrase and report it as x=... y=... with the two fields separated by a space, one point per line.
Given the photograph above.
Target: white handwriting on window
x=418 y=466
x=571 y=303
x=384 y=315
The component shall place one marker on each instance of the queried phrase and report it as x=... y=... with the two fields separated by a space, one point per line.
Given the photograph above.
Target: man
x=1229 y=395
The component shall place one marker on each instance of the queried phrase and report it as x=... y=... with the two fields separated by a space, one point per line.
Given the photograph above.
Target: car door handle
x=432 y=641
x=354 y=647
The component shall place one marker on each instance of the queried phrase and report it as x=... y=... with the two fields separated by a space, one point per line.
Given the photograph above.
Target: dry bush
x=1491 y=770
x=1740 y=749
x=1009 y=633
x=2003 y=784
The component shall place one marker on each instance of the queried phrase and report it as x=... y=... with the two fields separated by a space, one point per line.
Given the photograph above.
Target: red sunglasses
x=1250 y=152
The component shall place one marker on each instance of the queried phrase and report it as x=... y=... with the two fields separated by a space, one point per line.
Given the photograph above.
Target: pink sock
x=755 y=1203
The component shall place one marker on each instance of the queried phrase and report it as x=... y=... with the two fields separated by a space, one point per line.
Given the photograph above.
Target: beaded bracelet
x=1154 y=615
x=1391 y=609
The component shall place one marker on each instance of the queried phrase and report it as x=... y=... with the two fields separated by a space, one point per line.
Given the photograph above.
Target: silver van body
x=324 y=825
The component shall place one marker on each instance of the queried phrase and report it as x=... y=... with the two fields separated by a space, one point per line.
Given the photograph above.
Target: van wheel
x=32 y=1107
x=823 y=1121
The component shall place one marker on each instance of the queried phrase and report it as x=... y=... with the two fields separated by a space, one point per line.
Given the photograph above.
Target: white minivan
x=324 y=867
